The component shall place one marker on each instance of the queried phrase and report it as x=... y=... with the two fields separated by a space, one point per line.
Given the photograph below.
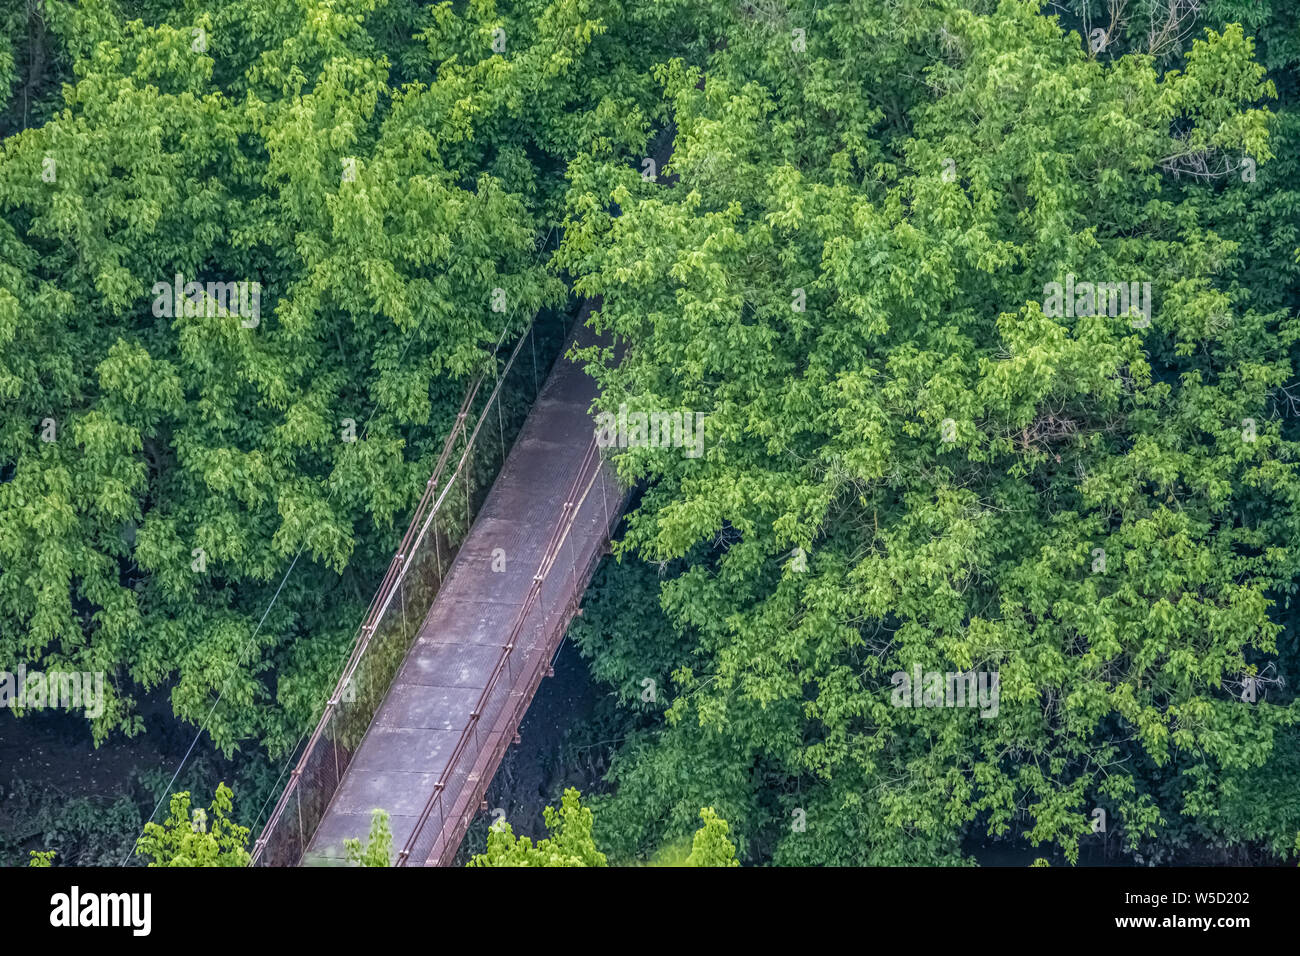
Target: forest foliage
x=914 y=459
x=196 y=837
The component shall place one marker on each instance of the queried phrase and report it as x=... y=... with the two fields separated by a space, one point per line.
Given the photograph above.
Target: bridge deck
x=408 y=746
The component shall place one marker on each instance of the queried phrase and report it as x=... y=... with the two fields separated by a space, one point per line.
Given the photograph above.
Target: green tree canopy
x=569 y=844
x=850 y=279
x=710 y=846
x=198 y=837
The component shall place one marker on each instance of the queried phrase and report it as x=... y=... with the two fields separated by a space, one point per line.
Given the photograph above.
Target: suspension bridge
x=464 y=627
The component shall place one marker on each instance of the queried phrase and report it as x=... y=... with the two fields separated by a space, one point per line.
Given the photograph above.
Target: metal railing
x=441 y=521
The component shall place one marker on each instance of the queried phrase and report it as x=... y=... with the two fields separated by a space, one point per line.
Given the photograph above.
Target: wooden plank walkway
x=552 y=508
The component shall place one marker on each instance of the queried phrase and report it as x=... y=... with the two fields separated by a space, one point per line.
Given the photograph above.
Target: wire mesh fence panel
x=282 y=845
x=442 y=808
x=316 y=784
